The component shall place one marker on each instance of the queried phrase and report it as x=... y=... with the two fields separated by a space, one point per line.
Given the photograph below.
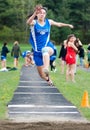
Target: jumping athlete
x=40 y=39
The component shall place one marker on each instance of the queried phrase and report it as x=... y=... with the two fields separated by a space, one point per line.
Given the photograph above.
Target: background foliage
x=13 y=14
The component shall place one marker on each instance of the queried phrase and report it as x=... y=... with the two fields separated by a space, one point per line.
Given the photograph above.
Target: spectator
x=77 y=43
x=28 y=56
x=4 y=52
x=71 y=57
x=16 y=52
x=62 y=55
x=52 y=60
x=88 y=55
x=81 y=55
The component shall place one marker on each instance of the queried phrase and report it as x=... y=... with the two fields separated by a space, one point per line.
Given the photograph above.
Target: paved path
x=35 y=100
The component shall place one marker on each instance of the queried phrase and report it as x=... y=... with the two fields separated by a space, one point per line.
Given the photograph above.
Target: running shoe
x=49 y=81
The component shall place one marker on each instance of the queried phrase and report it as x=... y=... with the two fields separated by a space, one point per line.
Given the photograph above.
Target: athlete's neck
x=41 y=22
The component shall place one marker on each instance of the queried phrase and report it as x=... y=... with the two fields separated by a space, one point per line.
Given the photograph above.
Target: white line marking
x=34 y=93
x=35 y=81
x=40 y=106
x=36 y=87
x=44 y=112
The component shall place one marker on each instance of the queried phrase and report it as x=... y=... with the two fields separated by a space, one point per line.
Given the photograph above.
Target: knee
x=45 y=51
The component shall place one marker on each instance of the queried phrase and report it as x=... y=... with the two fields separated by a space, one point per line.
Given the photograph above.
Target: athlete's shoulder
x=51 y=21
x=33 y=23
x=48 y=21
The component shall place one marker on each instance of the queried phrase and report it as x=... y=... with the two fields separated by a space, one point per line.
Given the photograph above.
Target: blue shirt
x=40 y=35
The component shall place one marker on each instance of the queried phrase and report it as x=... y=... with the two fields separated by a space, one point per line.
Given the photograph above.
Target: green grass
x=9 y=81
x=72 y=91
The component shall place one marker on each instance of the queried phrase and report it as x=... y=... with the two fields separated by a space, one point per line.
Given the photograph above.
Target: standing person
x=88 y=55
x=71 y=57
x=62 y=55
x=77 y=43
x=4 y=52
x=40 y=40
x=81 y=55
x=16 y=52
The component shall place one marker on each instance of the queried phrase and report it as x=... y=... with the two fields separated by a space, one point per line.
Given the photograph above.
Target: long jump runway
x=35 y=100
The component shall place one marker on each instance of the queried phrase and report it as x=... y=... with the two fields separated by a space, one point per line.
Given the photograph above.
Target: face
x=42 y=14
x=72 y=39
x=77 y=44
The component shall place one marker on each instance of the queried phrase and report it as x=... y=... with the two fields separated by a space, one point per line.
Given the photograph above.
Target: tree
x=80 y=17
x=3 y=8
x=13 y=14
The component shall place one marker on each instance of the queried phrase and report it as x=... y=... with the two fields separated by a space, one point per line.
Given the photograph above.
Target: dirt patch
x=9 y=125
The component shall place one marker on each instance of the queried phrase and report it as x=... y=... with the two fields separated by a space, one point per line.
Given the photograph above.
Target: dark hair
x=44 y=8
x=69 y=36
x=5 y=43
x=76 y=43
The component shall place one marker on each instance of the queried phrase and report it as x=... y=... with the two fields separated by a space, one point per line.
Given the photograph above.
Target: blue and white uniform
x=40 y=38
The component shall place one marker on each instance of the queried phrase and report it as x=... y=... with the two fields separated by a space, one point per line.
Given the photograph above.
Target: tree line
x=13 y=15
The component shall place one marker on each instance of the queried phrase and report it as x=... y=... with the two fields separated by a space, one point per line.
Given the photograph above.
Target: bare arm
x=73 y=46
x=59 y=24
x=30 y=20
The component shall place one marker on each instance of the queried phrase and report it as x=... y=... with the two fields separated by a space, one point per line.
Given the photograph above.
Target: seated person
x=28 y=58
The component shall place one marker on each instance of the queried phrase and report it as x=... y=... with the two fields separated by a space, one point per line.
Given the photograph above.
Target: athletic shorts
x=38 y=58
x=3 y=57
x=16 y=57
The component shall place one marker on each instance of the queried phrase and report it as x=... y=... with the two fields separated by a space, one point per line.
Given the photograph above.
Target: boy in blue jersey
x=52 y=60
x=40 y=39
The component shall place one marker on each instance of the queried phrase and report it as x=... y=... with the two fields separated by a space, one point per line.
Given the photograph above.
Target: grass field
x=72 y=91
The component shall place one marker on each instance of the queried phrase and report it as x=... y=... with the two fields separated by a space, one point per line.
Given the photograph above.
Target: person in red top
x=71 y=57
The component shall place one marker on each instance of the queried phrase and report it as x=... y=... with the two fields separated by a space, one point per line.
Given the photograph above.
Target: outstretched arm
x=59 y=24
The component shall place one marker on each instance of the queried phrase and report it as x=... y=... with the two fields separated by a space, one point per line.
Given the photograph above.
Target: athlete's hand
x=71 y=26
x=38 y=8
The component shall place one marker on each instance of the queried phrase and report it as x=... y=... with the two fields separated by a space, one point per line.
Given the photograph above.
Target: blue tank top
x=40 y=35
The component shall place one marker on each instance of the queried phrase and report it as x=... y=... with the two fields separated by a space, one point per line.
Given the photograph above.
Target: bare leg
x=76 y=64
x=41 y=72
x=46 y=60
x=26 y=61
x=67 y=72
x=72 y=73
x=46 y=57
x=44 y=70
x=3 y=63
x=44 y=76
x=15 y=62
x=62 y=66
